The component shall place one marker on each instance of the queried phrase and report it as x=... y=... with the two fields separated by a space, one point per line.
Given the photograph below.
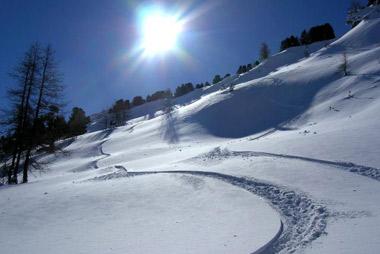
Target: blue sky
x=94 y=39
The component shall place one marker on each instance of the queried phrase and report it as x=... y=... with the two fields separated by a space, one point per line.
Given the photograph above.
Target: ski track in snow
x=302 y=219
x=104 y=134
x=94 y=164
x=366 y=171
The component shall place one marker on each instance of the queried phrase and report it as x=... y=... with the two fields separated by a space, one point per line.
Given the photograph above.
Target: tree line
x=314 y=34
x=34 y=120
x=373 y=2
x=119 y=109
x=264 y=54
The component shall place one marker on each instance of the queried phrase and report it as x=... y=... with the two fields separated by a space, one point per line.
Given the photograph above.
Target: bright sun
x=160 y=33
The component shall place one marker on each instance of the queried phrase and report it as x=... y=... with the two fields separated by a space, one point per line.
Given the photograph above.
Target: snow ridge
x=303 y=219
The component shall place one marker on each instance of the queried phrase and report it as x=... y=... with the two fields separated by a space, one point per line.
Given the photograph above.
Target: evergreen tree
x=56 y=128
x=305 y=38
x=78 y=122
x=184 y=89
x=321 y=33
x=137 y=101
x=199 y=86
x=159 y=95
x=118 y=112
x=289 y=42
x=264 y=52
x=373 y=2
x=216 y=79
x=328 y=33
x=179 y=91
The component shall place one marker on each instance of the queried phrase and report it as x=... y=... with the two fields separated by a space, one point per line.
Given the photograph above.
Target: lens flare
x=160 y=33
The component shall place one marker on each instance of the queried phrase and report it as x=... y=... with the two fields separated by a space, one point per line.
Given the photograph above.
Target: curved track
x=362 y=170
x=303 y=220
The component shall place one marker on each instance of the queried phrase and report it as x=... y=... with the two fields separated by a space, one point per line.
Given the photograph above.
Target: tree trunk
x=25 y=118
x=32 y=140
x=26 y=166
x=15 y=169
x=20 y=120
x=10 y=170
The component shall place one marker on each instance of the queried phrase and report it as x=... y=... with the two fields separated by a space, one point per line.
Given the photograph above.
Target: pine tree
x=264 y=52
x=328 y=32
x=137 y=101
x=51 y=126
x=118 y=112
x=305 y=38
x=78 y=122
x=321 y=33
x=216 y=79
x=239 y=71
x=289 y=42
x=199 y=86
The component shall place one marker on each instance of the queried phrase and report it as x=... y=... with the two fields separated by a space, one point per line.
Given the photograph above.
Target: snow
x=286 y=163
x=181 y=214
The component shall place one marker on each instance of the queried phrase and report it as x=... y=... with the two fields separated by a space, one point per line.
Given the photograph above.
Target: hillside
x=286 y=163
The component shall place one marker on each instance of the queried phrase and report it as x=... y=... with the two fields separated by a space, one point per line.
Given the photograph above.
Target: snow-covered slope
x=286 y=163
x=152 y=109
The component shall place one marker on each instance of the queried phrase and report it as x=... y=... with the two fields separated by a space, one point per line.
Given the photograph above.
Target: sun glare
x=160 y=33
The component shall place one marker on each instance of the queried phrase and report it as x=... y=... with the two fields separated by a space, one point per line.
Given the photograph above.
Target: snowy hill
x=152 y=109
x=286 y=163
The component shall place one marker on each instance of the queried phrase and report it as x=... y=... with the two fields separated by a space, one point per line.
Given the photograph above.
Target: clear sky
x=95 y=40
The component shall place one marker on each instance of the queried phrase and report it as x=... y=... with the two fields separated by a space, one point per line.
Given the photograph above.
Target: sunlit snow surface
x=295 y=141
x=147 y=214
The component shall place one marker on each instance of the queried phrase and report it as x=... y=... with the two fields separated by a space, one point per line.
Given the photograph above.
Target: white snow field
x=288 y=162
x=148 y=214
